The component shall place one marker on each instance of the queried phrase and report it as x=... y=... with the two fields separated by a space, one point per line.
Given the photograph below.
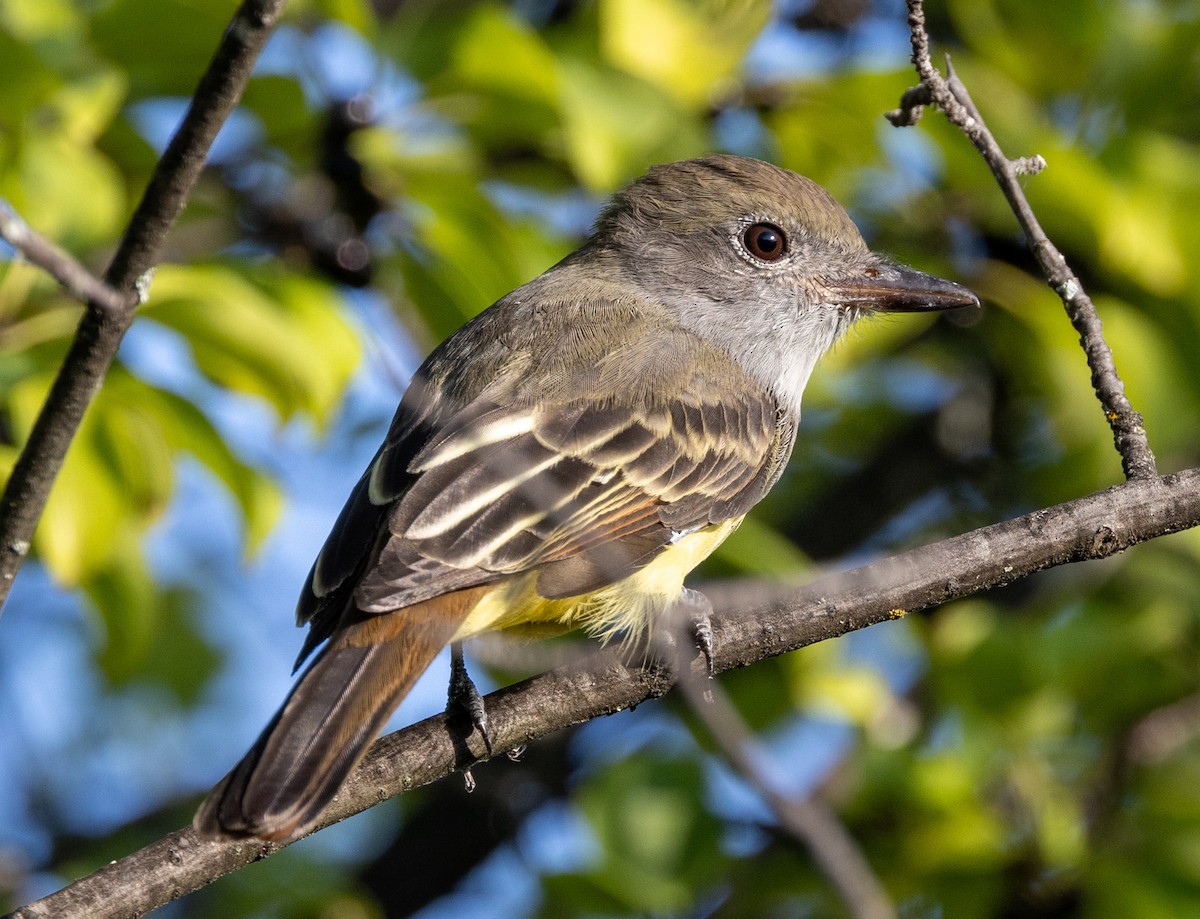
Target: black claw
x=466 y=698
x=702 y=631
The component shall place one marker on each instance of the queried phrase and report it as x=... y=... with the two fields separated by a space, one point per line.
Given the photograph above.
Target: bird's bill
x=897 y=289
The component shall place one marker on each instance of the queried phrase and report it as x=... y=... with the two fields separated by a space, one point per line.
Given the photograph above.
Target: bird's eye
x=765 y=241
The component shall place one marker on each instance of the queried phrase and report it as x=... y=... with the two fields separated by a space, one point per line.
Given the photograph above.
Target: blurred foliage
x=1031 y=752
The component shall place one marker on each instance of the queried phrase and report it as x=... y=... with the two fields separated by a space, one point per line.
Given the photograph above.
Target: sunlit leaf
x=279 y=339
x=617 y=125
x=689 y=50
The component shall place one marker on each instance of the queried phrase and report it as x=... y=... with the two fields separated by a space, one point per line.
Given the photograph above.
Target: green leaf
x=660 y=847
x=66 y=191
x=119 y=474
x=278 y=338
x=527 y=70
x=87 y=504
x=448 y=273
x=615 y=125
x=756 y=547
x=38 y=20
x=124 y=593
x=280 y=105
x=148 y=634
x=133 y=31
x=689 y=50
x=87 y=105
x=184 y=428
x=27 y=80
x=357 y=14
x=178 y=657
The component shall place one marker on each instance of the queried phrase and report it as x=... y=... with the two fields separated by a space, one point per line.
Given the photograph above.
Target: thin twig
x=812 y=823
x=101 y=329
x=1095 y=526
x=951 y=96
x=37 y=250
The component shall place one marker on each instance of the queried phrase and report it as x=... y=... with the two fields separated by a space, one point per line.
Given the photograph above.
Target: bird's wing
x=585 y=486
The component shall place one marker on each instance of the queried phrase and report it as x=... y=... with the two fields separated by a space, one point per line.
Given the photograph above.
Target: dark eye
x=765 y=241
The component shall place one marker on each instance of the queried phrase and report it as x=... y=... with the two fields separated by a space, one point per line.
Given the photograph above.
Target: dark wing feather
x=595 y=490
x=359 y=535
x=585 y=485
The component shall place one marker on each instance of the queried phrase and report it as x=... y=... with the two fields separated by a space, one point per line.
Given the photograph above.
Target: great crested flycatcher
x=571 y=453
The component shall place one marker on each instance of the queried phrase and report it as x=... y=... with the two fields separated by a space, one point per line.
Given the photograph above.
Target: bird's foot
x=696 y=610
x=464 y=698
x=690 y=612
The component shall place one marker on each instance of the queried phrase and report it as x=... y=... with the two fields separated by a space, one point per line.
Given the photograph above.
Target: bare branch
x=37 y=250
x=951 y=96
x=812 y=823
x=1093 y=527
x=101 y=329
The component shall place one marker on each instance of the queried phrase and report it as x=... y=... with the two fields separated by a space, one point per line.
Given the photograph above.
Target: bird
x=571 y=453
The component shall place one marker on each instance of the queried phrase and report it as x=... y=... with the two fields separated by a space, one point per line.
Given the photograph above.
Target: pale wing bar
x=594 y=484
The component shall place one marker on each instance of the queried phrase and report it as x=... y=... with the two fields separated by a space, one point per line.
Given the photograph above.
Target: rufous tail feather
x=337 y=708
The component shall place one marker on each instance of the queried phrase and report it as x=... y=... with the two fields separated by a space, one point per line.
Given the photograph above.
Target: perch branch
x=785 y=619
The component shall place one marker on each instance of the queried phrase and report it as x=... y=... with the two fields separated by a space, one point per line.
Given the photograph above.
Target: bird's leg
x=695 y=609
x=465 y=697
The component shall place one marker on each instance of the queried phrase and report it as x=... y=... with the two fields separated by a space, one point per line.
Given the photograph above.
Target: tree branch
x=811 y=822
x=37 y=250
x=102 y=327
x=951 y=96
x=1092 y=527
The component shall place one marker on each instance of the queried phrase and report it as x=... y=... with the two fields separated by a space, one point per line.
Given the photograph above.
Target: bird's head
x=759 y=260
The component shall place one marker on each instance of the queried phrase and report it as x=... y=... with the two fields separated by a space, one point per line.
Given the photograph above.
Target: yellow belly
x=626 y=607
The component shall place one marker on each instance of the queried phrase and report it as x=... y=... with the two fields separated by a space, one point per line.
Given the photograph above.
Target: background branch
x=102 y=328
x=951 y=96
x=1092 y=527
x=60 y=265
x=811 y=823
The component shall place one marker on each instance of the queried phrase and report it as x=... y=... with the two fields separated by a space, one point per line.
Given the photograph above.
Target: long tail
x=337 y=708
